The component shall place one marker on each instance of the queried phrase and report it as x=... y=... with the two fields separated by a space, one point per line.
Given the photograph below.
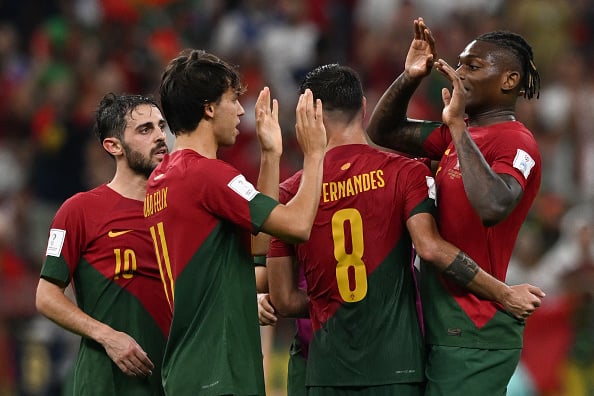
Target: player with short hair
x=98 y=242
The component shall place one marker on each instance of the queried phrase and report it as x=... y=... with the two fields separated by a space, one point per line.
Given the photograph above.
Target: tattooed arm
x=493 y=196
x=519 y=300
x=389 y=126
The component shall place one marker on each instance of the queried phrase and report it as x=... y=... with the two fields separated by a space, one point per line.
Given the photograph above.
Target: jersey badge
x=523 y=162
x=243 y=188
x=55 y=242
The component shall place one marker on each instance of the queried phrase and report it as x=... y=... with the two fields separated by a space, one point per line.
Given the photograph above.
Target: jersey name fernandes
x=335 y=190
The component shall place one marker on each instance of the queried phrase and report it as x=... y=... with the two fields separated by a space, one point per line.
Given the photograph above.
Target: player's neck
x=202 y=143
x=129 y=184
x=341 y=136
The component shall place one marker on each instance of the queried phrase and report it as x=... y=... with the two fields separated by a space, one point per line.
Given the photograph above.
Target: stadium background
x=58 y=57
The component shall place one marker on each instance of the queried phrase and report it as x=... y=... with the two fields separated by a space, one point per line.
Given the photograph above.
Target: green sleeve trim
x=426 y=206
x=427 y=127
x=260 y=261
x=260 y=207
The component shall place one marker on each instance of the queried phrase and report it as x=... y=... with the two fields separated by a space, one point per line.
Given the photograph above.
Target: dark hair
x=189 y=82
x=110 y=116
x=339 y=87
x=521 y=49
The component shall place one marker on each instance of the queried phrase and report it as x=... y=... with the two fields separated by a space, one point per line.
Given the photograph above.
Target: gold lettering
x=155 y=202
x=358 y=184
x=366 y=182
x=333 y=191
x=380 y=180
x=350 y=191
x=333 y=196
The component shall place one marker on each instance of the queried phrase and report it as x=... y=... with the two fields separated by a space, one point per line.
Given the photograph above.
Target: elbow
x=281 y=305
x=300 y=233
x=493 y=215
x=40 y=303
x=428 y=251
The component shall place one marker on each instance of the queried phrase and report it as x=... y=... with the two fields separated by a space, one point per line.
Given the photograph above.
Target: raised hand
x=421 y=53
x=454 y=102
x=267 y=127
x=523 y=300
x=311 y=132
x=127 y=354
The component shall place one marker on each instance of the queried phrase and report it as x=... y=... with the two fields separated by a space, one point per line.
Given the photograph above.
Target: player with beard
x=98 y=241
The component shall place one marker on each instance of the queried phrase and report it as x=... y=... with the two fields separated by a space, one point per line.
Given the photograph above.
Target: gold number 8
x=347 y=260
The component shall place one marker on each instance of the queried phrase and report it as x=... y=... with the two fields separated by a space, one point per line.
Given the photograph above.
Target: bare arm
x=292 y=222
x=285 y=296
x=271 y=146
x=389 y=125
x=454 y=264
x=121 y=348
x=493 y=196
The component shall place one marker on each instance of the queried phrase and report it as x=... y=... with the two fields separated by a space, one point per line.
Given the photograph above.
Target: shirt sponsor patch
x=244 y=188
x=55 y=242
x=523 y=162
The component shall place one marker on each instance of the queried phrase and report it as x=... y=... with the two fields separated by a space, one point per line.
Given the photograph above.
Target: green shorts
x=296 y=370
x=404 y=389
x=469 y=371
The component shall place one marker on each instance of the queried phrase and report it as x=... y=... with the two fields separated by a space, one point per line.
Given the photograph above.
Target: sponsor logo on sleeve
x=55 y=242
x=523 y=162
x=243 y=188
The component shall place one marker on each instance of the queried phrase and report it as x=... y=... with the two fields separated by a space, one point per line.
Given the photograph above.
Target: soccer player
x=98 y=241
x=488 y=176
x=361 y=292
x=201 y=212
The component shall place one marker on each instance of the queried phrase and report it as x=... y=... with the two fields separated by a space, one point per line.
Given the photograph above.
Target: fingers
x=266 y=313
x=275 y=109
x=444 y=68
x=263 y=103
x=446 y=96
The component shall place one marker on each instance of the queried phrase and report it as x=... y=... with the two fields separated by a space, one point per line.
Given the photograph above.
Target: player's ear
x=209 y=110
x=511 y=79
x=113 y=146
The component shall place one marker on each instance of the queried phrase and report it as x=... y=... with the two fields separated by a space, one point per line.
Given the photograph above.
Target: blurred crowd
x=59 y=57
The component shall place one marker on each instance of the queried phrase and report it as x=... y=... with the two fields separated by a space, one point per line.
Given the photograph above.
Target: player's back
x=358 y=269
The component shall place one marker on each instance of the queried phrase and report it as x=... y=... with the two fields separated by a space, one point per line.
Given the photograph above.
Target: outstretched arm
x=389 y=125
x=292 y=222
x=121 y=348
x=493 y=196
x=457 y=266
x=269 y=135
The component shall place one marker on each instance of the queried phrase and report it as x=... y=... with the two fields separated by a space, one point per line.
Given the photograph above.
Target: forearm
x=389 y=125
x=292 y=222
x=268 y=180
x=294 y=305
x=53 y=304
x=466 y=272
x=489 y=194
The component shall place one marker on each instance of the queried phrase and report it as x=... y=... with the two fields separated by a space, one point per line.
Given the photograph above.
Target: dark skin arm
x=493 y=196
x=389 y=125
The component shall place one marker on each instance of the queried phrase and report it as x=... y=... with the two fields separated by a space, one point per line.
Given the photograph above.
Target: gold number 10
x=347 y=260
